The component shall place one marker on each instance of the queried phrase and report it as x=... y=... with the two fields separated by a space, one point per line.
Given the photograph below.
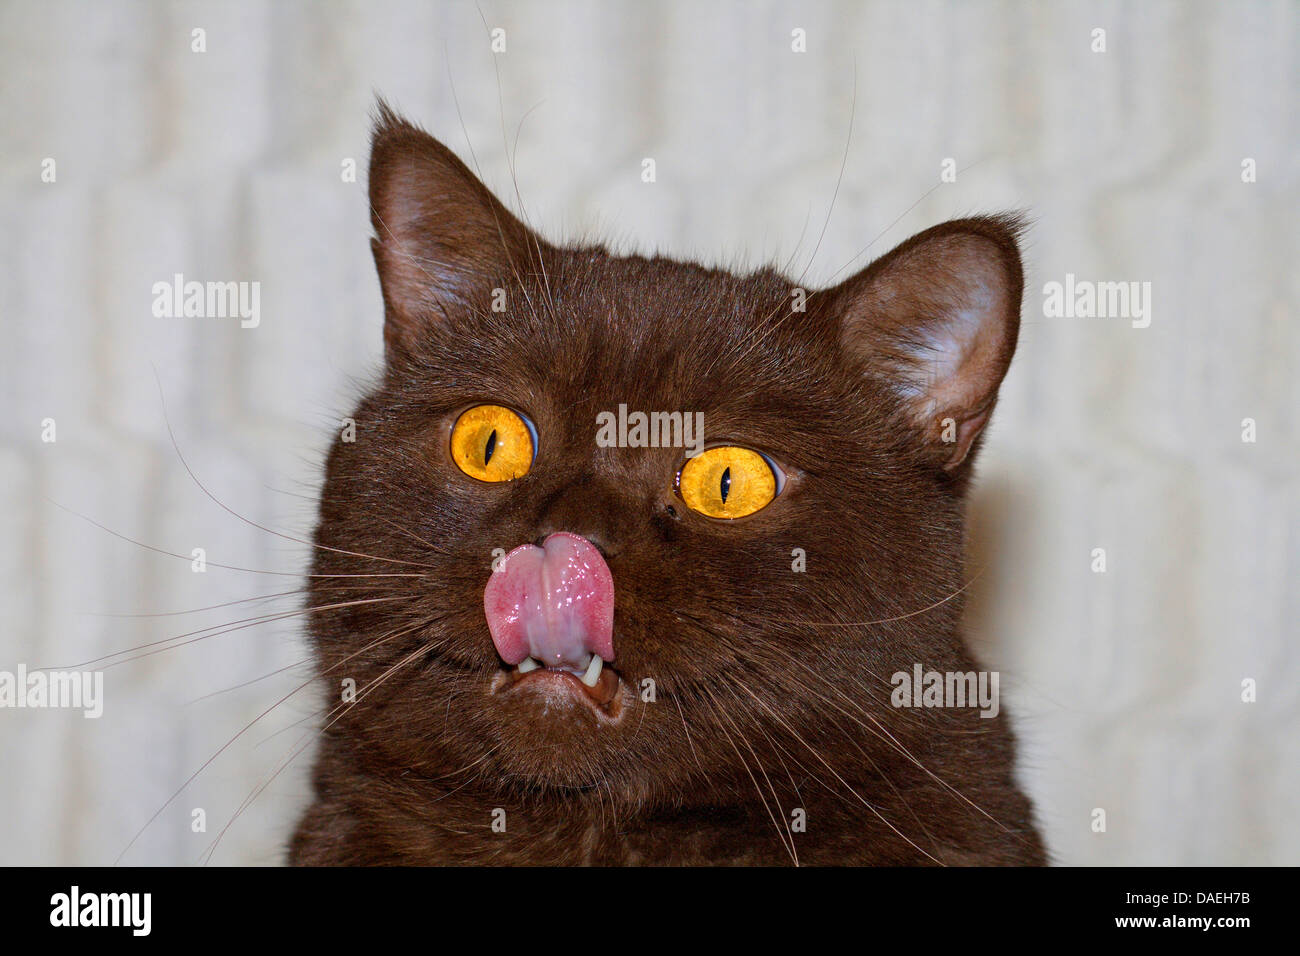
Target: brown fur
x=766 y=701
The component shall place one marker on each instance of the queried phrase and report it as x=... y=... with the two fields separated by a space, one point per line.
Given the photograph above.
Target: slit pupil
x=491 y=447
x=726 y=484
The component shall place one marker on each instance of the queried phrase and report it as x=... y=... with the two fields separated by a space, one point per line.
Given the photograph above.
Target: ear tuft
x=938 y=319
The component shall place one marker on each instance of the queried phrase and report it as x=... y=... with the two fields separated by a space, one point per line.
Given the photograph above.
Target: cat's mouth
x=550 y=611
x=595 y=687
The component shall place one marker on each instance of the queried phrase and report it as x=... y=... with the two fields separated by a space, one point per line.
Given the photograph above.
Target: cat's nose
x=587 y=507
x=595 y=540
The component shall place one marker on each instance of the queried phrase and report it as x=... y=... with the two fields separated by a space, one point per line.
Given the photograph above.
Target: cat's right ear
x=442 y=240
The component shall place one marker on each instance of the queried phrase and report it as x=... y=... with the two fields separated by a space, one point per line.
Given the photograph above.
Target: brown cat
x=681 y=658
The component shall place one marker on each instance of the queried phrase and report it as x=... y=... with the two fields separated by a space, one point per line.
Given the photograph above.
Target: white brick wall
x=226 y=165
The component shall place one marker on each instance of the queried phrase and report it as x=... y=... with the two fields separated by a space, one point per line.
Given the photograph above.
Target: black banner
x=272 y=905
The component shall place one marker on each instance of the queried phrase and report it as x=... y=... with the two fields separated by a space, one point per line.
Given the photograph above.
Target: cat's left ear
x=937 y=318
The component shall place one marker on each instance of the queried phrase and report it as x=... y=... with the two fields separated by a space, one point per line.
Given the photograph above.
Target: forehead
x=657 y=336
x=668 y=335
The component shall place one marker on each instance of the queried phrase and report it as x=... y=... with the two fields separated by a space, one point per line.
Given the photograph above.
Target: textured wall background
x=226 y=165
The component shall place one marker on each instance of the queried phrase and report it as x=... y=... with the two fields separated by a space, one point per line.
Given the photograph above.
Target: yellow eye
x=492 y=443
x=727 y=482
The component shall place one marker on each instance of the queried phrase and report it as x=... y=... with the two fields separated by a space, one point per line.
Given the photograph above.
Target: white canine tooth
x=593 y=671
x=528 y=664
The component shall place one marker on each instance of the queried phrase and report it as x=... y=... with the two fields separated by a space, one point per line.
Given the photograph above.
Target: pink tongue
x=554 y=603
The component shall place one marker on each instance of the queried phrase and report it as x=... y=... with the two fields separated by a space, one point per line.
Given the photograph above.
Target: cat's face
x=861 y=402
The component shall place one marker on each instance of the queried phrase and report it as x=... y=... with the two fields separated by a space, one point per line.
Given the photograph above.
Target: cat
x=717 y=629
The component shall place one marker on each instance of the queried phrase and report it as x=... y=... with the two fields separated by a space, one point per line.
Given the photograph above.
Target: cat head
x=736 y=598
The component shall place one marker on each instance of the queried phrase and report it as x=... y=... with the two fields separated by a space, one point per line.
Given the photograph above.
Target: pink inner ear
x=958 y=371
x=956 y=381
x=939 y=317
